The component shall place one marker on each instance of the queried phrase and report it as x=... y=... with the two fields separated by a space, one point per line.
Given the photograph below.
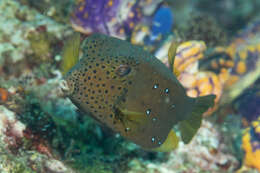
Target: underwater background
x=42 y=131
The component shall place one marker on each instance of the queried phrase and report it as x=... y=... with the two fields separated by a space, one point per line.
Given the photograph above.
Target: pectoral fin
x=133 y=116
x=130 y=119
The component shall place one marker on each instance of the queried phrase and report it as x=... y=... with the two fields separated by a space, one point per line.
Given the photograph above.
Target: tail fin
x=190 y=126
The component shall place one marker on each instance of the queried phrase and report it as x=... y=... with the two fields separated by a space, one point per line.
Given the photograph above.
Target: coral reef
x=244 y=52
x=251 y=145
x=247 y=105
x=42 y=131
x=13 y=144
x=205 y=153
x=16 y=22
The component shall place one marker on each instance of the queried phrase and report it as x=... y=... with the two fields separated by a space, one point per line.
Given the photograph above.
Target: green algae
x=41 y=45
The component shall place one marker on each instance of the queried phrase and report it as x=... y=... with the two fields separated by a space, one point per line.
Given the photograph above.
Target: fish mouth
x=66 y=87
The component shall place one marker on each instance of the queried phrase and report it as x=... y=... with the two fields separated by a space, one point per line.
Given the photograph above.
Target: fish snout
x=66 y=87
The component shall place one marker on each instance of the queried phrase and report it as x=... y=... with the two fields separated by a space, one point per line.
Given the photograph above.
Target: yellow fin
x=176 y=72
x=133 y=116
x=190 y=126
x=172 y=53
x=70 y=54
x=131 y=119
x=169 y=144
x=132 y=113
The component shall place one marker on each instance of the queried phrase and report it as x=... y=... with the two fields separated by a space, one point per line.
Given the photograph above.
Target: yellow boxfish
x=131 y=92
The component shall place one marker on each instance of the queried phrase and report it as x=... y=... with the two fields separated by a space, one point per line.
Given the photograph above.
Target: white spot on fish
x=127 y=129
x=153 y=139
x=155 y=86
x=167 y=100
x=148 y=111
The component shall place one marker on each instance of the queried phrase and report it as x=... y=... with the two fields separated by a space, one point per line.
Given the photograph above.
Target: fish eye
x=123 y=70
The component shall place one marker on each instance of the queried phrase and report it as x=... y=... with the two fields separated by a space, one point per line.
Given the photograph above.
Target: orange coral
x=3 y=95
x=202 y=83
x=252 y=156
x=188 y=53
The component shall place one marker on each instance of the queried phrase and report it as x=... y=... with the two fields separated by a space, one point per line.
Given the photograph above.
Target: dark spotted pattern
x=128 y=90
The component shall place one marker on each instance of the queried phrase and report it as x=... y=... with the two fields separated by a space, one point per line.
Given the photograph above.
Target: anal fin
x=169 y=144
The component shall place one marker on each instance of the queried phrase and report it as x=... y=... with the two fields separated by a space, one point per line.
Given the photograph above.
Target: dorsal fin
x=171 y=56
x=70 y=53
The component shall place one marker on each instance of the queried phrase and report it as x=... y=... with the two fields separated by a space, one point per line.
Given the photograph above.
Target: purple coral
x=93 y=15
x=112 y=17
x=248 y=104
x=255 y=139
x=134 y=16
